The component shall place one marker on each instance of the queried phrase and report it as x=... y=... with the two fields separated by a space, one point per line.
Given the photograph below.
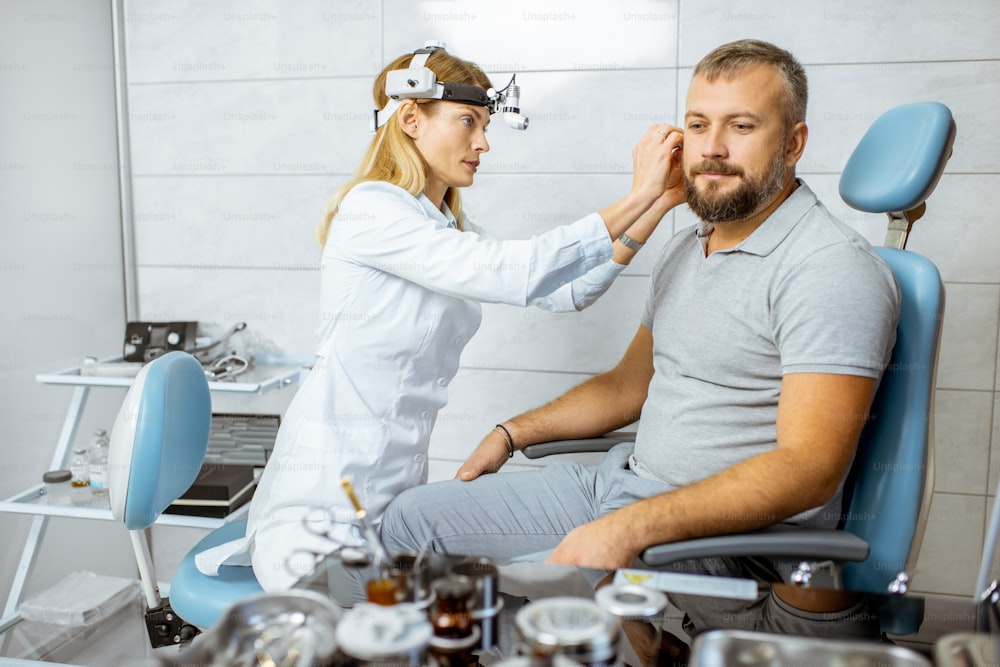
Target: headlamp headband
x=418 y=82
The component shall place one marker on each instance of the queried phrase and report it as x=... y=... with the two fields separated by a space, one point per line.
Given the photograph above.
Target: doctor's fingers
x=658 y=141
x=651 y=163
x=673 y=139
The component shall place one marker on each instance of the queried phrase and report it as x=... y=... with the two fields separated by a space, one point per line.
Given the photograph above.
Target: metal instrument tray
x=731 y=648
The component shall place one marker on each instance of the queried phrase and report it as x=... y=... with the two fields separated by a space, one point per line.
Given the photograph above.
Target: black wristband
x=506 y=436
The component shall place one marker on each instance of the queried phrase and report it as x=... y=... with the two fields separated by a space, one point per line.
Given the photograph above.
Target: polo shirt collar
x=778 y=225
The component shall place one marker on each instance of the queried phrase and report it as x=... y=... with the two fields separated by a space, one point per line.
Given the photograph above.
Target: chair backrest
x=159 y=438
x=888 y=491
x=893 y=170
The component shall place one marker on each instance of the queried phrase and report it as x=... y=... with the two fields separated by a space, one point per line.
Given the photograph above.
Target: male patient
x=765 y=331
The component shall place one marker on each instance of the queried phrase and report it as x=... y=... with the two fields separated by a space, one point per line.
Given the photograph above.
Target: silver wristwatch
x=631 y=243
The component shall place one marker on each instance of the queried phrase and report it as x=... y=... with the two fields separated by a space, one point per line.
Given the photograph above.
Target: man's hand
x=606 y=543
x=488 y=457
x=819 y=419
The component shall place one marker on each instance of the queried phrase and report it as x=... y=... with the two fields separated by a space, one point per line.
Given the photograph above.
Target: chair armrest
x=780 y=540
x=601 y=443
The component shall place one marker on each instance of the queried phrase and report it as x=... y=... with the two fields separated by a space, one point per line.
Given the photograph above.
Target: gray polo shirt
x=803 y=294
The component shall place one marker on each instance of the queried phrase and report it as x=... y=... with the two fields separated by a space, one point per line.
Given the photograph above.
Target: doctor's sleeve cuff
x=590 y=287
x=583 y=291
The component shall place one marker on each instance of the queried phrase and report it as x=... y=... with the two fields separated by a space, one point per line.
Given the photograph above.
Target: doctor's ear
x=409 y=115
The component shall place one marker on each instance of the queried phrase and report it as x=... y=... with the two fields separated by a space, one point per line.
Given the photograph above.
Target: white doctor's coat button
x=418 y=458
x=426 y=414
x=443 y=382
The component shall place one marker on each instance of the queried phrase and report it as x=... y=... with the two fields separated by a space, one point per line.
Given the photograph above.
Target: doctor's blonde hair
x=392 y=156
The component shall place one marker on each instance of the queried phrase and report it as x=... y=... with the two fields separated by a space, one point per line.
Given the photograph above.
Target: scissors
x=335 y=526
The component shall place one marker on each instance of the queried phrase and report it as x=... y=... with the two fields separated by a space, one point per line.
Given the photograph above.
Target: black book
x=219 y=489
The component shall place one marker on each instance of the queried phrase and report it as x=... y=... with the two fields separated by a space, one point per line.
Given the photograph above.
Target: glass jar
x=573 y=627
x=58 y=487
x=370 y=634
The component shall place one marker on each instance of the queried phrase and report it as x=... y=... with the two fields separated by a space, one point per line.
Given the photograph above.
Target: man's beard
x=741 y=203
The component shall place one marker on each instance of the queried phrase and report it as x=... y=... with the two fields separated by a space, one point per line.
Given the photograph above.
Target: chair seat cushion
x=201 y=599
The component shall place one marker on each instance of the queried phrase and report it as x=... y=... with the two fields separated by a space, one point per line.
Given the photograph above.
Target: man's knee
x=402 y=522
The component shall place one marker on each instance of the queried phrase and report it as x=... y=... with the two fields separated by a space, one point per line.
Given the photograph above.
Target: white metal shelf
x=256 y=380
x=34 y=501
x=265 y=375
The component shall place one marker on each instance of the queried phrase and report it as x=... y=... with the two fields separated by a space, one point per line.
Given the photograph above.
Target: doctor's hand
x=673 y=193
x=672 y=141
x=656 y=163
x=489 y=457
x=672 y=187
x=607 y=543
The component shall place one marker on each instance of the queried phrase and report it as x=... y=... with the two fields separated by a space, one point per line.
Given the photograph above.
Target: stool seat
x=201 y=599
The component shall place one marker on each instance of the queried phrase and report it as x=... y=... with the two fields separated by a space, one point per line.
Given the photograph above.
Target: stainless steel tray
x=967 y=649
x=739 y=648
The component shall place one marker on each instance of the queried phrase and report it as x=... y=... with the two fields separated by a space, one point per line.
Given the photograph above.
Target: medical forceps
x=226 y=368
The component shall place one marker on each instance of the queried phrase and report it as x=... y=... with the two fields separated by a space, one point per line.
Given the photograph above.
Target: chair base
x=166 y=628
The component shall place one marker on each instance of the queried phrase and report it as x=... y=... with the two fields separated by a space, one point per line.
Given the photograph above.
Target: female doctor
x=402 y=278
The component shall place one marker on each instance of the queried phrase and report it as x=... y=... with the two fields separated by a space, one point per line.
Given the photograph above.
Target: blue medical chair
x=158 y=444
x=893 y=170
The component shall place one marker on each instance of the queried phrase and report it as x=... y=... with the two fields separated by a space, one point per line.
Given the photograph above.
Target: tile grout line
x=987 y=515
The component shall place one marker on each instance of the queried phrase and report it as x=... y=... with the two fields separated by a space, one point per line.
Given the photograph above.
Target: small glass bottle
x=98 y=463
x=79 y=467
x=455 y=635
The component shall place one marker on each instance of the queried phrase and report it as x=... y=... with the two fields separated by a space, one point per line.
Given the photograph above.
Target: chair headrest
x=898 y=162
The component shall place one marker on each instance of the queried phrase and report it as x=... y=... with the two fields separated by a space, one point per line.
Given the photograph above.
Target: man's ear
x=795 y=144
x=408 y=117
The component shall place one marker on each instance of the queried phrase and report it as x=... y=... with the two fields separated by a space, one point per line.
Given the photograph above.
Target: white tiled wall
x=246 y=115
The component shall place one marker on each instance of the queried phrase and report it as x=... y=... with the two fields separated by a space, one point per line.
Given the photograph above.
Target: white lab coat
x=400 y=298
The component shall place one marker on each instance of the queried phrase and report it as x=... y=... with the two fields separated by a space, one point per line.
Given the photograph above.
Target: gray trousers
x=521 y=516
x=504 y=517
x=510 y=515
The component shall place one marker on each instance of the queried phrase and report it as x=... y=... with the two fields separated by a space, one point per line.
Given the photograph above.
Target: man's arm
x=602 y=404
x=820 y=417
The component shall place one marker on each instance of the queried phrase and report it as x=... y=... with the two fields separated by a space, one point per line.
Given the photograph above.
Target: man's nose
x=714 y=145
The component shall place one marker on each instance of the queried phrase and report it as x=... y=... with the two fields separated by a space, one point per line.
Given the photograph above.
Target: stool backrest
x=159 y=438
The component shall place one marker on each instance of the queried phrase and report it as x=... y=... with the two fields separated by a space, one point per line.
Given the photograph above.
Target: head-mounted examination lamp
x=420 y=83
